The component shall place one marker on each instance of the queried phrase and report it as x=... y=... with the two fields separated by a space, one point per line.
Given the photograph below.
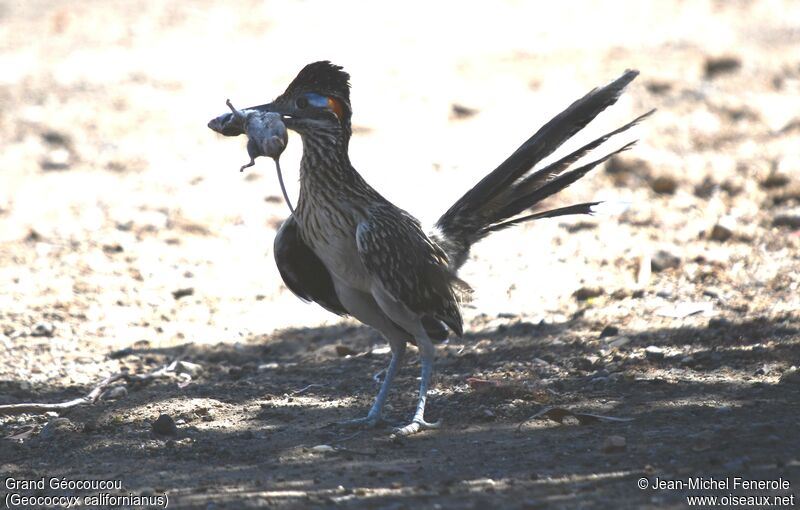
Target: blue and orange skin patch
x=319 y=101
x=336 y=107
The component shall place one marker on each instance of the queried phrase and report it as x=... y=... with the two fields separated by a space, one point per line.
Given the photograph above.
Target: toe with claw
x=416 y=426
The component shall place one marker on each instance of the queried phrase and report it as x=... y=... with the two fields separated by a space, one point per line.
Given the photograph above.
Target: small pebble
x=664 y=185
x=653 y=352
x=56 y=138
x=585 y=293
x=614 y=444
x=458 y=111
x=344 y=350
x=113 y=248
x=56 y=159
x=786 y=220
x=723 y=230
x=165 y=426
x=663 y=260
x=775 y=180
x=609 y=331
x=46 y=329
x=181 y=293
x=706 y=189
x=715 y=66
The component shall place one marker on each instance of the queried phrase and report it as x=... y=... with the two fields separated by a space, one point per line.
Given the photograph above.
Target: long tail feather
x=555 y=185
x=529 y=184
x=507 y=191
x=585 y=208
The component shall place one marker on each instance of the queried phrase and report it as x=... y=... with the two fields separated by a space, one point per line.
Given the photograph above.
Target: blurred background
x=124 y=219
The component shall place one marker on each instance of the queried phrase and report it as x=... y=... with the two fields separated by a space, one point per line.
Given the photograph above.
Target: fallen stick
x=91 y=397
x=310 y=386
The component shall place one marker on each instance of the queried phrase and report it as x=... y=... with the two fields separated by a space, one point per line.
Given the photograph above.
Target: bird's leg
x=373 y=417
x=427 y=354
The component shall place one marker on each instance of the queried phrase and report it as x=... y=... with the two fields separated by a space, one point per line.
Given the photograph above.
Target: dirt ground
x=130 y=241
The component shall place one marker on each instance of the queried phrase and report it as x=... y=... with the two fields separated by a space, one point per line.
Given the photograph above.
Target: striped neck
x=326 y=175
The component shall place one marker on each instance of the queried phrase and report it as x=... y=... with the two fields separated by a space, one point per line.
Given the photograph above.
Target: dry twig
x=91 y=397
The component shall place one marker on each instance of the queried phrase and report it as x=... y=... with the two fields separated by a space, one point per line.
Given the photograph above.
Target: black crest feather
x=324 y=78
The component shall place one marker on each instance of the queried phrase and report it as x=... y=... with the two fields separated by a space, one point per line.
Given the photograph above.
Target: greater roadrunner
x=355 y=253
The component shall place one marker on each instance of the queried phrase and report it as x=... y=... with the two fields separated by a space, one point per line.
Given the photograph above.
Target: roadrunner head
x=316 y=104
x=317 y=100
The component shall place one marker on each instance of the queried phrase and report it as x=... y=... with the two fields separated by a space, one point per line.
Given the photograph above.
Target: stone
x=609 y=331
x=786 y=220
x=181 y=293
x=165 y=426
x=716 y=66
x=614 y=444
x=585 y=293
x=45 y=329
x=664 y=184
x=653 y=352
x=663 y=260
x=723 y=230
x=56 y=159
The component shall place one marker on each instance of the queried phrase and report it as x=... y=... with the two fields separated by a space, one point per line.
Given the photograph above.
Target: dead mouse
x=266 y=133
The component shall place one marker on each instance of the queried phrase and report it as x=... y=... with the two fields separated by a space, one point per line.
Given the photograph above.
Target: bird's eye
x=310 y=99
x=301 y=102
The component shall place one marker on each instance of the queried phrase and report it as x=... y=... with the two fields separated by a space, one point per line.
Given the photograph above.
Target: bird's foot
x=415 y=426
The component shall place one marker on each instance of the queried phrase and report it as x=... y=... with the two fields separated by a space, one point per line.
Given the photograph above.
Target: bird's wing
x=410 y=267
x=302 y=271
